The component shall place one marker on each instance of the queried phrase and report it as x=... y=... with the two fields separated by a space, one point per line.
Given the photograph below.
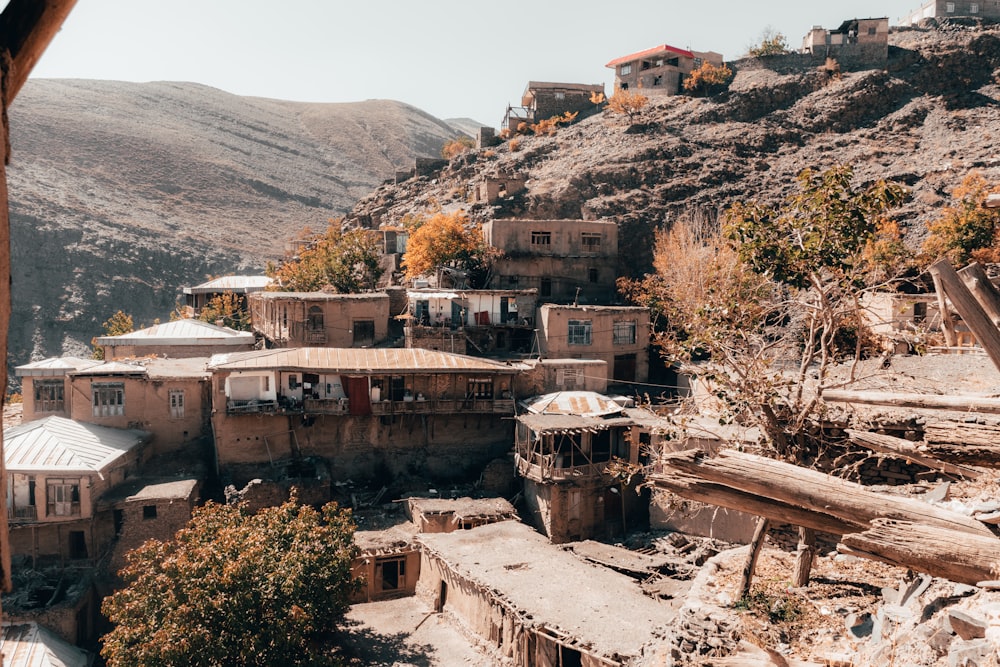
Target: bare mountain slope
x=926 y=120
x=122 y=193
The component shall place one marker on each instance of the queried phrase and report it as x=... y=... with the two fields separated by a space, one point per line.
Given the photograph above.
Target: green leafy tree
x=760 y=304
x=116 y=325
x=229 y=308
x=236 y=588
x=346 y=261
x=967 y=231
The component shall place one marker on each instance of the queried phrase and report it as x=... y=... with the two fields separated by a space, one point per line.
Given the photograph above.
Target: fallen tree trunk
x=812 y=490
x=962 y=433
x=939 y=552
x=968 y=307
x=989 y=404
x=693 y=488
x=910 y=451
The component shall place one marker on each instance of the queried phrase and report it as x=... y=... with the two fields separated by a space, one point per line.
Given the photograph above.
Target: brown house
x=56 y=470
x=198 y=296
x=44 y=385
x=542 y=100
x=937 y=9
x=617 y=335
x=864 y=39
x=565 y=260
x=296 y=319
x=659 y=70
x=178 y=339
x=367 y=412
x=492 y=323
x=563 y=446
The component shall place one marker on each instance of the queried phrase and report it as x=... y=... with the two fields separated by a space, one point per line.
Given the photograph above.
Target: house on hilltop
x=199 y=296
x=565 y=260
x=864 y=40
x=660 y=69
x=43 y=385
x=936 y=9
x=543 y=100
x=617 y=335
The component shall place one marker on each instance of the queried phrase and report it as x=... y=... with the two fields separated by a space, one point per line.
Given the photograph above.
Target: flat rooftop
x=598 y=607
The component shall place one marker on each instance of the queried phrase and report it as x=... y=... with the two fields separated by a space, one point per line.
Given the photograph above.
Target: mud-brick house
x=368 y=412
x=167 y=397
x=298 y=319
x=44 y=386
x=856 y=40
x=660 y=70
x=178 y=339
x=566 y=448
x=542 y=100
x=539 y=604
x=617 y=335
x=388 y=563
x=56 y=469
x=198 y=296
x=938 y=9
x=565 y=260
x=478 y=322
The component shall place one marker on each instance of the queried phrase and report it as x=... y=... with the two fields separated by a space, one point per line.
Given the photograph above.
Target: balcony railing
x=543 y=468
x=342 y=406
x=250 y=406
x=19 y=514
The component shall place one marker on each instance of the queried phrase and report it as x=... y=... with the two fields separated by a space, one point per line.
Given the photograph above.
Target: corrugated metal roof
x=31 y=645
x=54 y=366
x=349 y=360
x=65 y=445
x=319 y=296
x=569 y=423
x=180 y=332
x=662 y=48
x=232 y=284
x=113 y=368
x=582 y=403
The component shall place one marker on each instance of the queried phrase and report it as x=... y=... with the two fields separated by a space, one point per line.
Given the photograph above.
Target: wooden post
x=982 y=288
x=746 y=577
x=968 y=307
x=804 y=556
x=947 y=326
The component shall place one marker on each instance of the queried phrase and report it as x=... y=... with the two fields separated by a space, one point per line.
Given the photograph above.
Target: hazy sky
x=451 y=58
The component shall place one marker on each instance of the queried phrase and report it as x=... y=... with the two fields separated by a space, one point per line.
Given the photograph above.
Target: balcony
x=251 y=406
x=22 y=514
x=549 y=468
x=498 y=406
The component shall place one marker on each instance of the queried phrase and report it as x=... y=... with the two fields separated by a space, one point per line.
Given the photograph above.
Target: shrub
x=457 y=146
x=708 y=77
x=627 y=103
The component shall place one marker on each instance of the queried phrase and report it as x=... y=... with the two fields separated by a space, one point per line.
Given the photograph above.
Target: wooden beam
x=968 y=307
x=947 y=326
x=805 y=553
x=26 y=28
x=904 y=449
x=812 y=490
x=982 y=288
x=960 y=403
x=756 y=543
x=939 y=552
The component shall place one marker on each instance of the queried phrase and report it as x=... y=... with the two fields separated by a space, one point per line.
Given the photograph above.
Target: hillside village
x=522 y=464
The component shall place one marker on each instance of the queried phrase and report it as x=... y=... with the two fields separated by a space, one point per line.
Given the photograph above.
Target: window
x=579 y=332
x=569 y=378
x=541 y=238
x=559 y=96
x=872 y=30
x=590 y=240
x=392 y=573
x=545 y=287
x=49 y=396
x=974 y=8
x=364 y=332
x=176 y=403
x=109 y=398
x=512 y=280
x=949 y=7
x=624 y=333
x=626 y=69
x=63 y=496
x=592 y=275
x=480 y=388
x=315 y=319
x=149 y=511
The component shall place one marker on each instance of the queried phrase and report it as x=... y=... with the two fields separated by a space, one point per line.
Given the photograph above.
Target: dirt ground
x=407 y=633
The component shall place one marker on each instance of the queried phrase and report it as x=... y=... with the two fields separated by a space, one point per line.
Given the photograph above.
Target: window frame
x=57 y=489
x=541 y=238
x=591 y=240
x=579 y=332
x=175 y=401
x=107 y=399
x=55 y=401
x=623 y=332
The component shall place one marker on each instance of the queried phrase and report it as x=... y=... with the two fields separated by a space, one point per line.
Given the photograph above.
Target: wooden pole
x=813 y=490
x=982 y=288
x=804 y=556
x=947 y=326
x=746 y=577
x=960 y=403
x=968 y=307
x=904 y=449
